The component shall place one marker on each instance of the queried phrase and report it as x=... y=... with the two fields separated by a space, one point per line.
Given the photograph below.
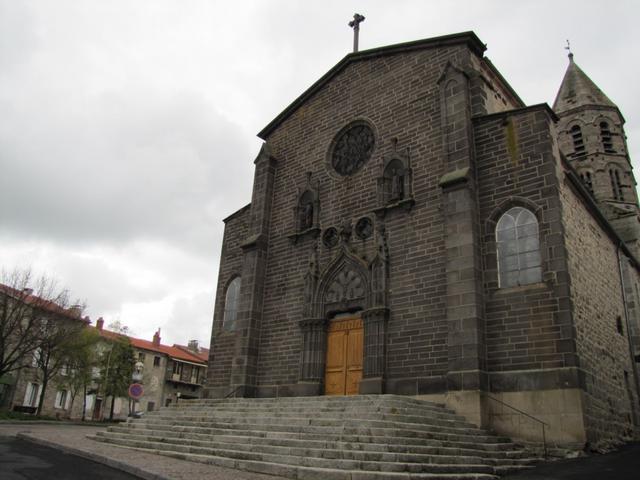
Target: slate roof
x=577 y=90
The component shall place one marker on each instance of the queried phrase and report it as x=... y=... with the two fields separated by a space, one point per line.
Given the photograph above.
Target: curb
x=110 y=462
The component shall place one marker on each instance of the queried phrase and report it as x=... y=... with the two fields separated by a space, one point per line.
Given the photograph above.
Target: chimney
x=193 y=345
x=75 y=310
x=156 y=338
x=27 y=291
x=100 y=323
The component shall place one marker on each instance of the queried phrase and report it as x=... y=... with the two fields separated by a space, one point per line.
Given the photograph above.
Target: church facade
x=416 y=229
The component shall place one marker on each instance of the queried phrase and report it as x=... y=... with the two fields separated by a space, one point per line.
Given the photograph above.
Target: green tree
x=116 y=368
x=82 y=359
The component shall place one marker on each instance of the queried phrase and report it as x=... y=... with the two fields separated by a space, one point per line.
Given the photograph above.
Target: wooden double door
x=343 y=370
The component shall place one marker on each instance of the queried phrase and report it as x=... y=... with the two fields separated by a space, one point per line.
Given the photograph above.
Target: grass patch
x=19 y=416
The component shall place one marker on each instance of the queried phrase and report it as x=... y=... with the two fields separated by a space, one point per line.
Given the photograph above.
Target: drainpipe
x=628 y=335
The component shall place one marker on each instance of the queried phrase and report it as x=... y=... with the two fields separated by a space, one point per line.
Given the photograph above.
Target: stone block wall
x=399 y=96
x=222 y=342
x=528 y=328
x=599 y=316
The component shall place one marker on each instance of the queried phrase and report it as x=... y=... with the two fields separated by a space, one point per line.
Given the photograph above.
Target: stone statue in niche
x=394 y=176
x=307 y=216
x=306 y=211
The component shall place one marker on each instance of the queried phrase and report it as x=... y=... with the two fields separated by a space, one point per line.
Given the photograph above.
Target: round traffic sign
x=136 y=391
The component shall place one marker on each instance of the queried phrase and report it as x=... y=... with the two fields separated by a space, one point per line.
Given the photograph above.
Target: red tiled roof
x=202 y=354
x=42 y=303
x=173 y=352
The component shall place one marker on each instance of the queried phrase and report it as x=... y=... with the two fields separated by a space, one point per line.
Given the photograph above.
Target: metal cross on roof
x=568 y=48
x=355 y=24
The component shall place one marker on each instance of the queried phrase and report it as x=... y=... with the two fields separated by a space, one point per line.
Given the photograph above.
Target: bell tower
x=591 y=136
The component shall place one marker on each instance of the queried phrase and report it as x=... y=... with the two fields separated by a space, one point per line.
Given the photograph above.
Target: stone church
x=416 y=229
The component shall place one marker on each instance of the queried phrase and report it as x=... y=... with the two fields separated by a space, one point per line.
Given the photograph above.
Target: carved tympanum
x=346 y=286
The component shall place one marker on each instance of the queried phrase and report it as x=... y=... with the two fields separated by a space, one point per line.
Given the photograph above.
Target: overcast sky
x=128 y=128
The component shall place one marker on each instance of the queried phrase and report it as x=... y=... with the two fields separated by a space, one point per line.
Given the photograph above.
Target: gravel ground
x=73 y=439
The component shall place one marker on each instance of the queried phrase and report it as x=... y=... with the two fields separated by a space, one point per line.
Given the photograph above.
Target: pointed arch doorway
x=344 y=359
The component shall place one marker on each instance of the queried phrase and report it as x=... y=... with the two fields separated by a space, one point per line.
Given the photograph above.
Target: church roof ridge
x=469 y=38
x=577 y=90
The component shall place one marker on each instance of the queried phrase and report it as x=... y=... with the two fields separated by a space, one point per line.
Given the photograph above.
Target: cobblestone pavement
x=72 y=439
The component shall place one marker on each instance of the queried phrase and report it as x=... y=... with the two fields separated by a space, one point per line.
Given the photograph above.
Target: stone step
x=268 y=435
x=396 y=446
x=299 y=412
x=364 y=437
x=325 y=451
x=315 y=462
x=315 y=403
x=309 y=473
x=322 y=426
x=370 y=420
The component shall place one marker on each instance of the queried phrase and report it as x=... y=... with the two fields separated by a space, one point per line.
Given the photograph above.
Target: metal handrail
x=543 y=424
x=233 y=392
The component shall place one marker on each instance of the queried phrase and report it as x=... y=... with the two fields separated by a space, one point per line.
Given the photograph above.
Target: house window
x=31 y=395
x=151 y=406
x=578 y=142
x=616 y=185
x=177 y=368
x=619 y=325
x=518 y=248
x=231 y=301
x=605 y=137
x=156 y=361
x=61 y=399
x=37 y=355
x=141 y=357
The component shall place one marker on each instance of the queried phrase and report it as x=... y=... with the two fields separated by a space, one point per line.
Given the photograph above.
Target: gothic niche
x=306 y=211
x=352 y=148
x=395 y=185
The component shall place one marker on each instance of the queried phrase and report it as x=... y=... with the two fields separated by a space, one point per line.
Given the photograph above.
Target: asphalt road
x=22 y=460
x=623 y=464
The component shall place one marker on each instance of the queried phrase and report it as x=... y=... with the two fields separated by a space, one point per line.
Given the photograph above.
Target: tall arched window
x=518 y=248
x=231 y=302
x=616 y=185
x=605 y=137
x=587 y=180
x=578 y=142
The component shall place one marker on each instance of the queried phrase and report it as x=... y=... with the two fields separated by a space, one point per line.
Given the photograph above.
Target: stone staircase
x=365 y=437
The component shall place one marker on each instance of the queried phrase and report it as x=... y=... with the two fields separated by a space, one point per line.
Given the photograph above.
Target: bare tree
x=23 y=300
x=58 y=337
x=36 y=324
